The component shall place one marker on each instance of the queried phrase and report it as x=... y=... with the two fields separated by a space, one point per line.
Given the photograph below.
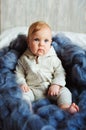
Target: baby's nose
x=41 y=43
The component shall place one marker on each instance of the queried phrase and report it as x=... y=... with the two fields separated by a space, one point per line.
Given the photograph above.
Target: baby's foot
x=73 y=108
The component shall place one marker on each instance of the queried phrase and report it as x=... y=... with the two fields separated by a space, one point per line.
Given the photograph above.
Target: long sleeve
x=20 y=73
x=59 y=73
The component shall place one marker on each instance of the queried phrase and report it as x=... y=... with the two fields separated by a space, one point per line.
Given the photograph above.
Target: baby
x=39 y=70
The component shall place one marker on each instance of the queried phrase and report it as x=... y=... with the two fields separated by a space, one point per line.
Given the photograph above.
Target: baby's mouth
x=41 y=51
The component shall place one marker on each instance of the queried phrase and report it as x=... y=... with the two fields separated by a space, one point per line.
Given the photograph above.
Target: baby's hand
x=24 y=88
x=53 y=90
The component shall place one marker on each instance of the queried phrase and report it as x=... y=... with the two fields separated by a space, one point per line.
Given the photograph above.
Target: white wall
x=61 y=15
x=0 y=16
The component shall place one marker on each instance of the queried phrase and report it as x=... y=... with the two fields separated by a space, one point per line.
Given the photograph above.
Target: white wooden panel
x=0 y=16
x=61 y=15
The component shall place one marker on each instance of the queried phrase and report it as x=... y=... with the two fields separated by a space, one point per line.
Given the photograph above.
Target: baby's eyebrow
x=36 y=38
x=46 y=39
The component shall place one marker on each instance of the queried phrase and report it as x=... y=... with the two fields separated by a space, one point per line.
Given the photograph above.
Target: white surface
x=7 y=36
x=78 y=38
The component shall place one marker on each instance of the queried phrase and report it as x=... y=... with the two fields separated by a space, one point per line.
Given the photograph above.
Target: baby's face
x=40 y=42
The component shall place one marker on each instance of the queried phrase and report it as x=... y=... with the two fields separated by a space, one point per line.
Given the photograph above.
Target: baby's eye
x=36 y=39
x=46 y=40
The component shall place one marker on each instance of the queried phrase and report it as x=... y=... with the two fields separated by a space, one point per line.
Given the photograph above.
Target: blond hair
x=36 y=26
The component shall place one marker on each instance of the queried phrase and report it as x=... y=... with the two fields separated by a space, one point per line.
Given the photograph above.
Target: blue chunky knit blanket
x=15 y=113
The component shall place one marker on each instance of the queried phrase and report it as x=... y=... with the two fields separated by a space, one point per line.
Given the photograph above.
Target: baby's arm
x=53 y=90
x=58 y=73
x=58 y=77
x=20 y=76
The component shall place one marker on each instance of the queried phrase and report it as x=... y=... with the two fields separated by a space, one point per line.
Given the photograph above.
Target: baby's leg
x=29 y=97
x=65 y=101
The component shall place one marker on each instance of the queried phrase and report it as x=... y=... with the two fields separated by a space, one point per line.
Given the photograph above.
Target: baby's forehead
x=40 y=31
x=43 y=31
x=37 y=27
